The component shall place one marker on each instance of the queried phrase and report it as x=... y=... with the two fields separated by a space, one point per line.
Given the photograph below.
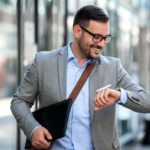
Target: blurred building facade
x=28 y=26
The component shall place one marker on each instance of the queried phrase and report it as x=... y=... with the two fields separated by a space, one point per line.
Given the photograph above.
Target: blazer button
x=134 y=98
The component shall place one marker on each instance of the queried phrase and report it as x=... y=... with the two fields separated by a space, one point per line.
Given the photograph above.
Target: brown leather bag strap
x=81 y=81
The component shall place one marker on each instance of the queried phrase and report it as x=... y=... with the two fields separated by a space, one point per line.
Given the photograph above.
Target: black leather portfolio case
x=54 y=118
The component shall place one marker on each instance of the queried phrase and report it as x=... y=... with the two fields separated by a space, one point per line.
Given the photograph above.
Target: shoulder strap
x=81 y=81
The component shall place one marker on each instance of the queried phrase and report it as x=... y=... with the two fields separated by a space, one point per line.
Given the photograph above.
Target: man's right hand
x=41 y=138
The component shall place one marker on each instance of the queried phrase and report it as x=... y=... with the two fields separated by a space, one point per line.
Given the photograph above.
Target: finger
x=97 y=100
x=96 y=103
x=101 y=98
x=96 y=108
x=42 y=144
x=39 y=143
x=47 y=135
x=98 y=94
x=45 y=141
x=106 y=96
x=39 y=139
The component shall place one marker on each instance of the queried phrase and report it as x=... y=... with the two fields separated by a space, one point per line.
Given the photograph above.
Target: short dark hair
x=90 y=12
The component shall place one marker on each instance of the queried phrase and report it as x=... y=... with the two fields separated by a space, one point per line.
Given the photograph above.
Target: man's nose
x=102 y=43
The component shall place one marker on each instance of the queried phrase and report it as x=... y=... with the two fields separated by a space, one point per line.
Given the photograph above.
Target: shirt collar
x=71 y=55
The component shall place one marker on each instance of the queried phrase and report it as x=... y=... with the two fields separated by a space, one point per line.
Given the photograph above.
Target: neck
x=78 y=54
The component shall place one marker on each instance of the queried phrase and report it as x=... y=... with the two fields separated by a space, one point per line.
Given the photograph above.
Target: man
x=53 y=75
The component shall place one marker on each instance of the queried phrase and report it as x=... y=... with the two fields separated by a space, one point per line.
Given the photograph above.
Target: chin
x=95 y=56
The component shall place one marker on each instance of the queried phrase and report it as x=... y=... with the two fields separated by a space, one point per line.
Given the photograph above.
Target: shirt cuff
x=124 y=97
x=33 y=131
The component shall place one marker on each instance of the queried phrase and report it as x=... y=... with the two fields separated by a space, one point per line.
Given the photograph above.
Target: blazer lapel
x=97 y=80
x=62 y=71
x=93 y=85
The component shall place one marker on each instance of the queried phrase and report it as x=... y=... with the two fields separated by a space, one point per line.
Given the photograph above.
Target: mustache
x=95 y=46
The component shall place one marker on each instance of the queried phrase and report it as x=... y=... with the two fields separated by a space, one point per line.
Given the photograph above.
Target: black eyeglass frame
x=97 y=37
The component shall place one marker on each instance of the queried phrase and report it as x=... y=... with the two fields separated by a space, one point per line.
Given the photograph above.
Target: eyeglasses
x=97 y=37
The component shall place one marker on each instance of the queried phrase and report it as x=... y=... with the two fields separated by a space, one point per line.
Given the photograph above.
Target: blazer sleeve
x=138 y=98
x=24 y=98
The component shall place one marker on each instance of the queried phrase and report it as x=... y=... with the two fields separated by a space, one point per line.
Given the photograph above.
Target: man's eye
x=97 y=37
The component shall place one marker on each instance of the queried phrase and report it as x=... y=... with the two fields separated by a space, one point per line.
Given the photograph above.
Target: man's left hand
x=106 y=97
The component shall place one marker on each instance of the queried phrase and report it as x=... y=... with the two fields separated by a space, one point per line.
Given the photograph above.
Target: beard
x=91 y=51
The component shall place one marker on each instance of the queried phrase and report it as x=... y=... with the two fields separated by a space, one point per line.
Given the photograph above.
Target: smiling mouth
x=96 y=47
x=97 y=50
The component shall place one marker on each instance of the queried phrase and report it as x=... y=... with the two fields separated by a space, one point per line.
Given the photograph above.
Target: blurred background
x=28 y=26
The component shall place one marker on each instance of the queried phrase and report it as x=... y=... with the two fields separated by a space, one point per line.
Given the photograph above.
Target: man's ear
x=77 y=31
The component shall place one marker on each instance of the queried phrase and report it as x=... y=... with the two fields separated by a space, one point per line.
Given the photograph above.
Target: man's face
x=90 y=46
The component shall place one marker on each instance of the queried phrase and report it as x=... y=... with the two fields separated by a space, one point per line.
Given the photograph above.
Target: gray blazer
x=46 y=78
